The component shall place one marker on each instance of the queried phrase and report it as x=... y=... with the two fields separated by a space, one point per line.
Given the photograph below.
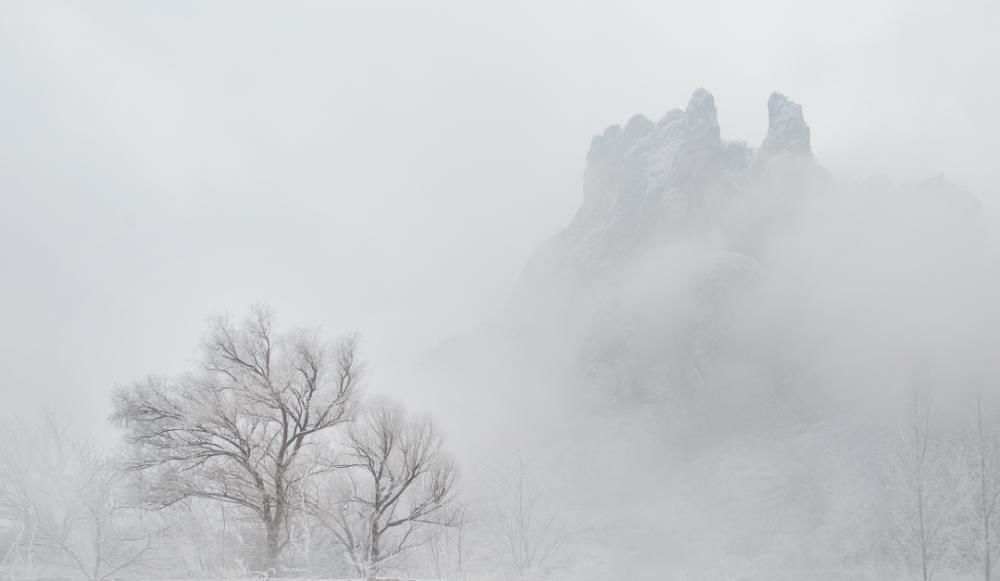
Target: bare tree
x=395 y=483
x=920 y=511
x=238 y=430
x=525 y=527
x=983 y=448
x=73 y=509
x=446 y=549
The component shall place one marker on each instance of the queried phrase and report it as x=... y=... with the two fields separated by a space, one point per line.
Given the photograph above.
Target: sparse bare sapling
x=920 y=495
x=446 y=549
x=238 y=429
x=71 y=505
x=523 y=525
x=983 y=453
x=395 y=483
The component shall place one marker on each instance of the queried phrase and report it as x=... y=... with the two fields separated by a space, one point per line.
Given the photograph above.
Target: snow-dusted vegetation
x=364 y=292
x=757 y=371
x=728 y=361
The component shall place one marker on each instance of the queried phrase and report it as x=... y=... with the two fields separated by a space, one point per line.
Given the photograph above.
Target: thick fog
x=693 y=291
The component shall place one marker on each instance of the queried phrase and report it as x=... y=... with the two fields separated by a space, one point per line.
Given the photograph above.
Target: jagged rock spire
x=787 y=131
x=702 y=116
x=702 y=105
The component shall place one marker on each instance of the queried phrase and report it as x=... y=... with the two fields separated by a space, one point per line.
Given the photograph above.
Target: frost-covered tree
x=72 y=507
x=395 y=484
x=525 y=527
x=982 y=445
x=240 y=428
x=922 y=493
x=446 y=549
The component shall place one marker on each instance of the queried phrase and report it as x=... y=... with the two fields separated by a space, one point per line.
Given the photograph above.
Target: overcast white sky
x=387 y=168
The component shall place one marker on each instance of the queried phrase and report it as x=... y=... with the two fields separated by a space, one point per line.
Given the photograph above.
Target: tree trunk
x=272 y=547
x=374 y=553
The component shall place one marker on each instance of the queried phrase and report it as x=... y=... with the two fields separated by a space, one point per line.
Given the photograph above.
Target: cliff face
x=647 y=183
x=652 y=294
x=671 y=221
x=722 y=329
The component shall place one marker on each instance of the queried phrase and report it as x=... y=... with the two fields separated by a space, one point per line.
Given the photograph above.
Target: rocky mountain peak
x=701 y=106
x=787 y=131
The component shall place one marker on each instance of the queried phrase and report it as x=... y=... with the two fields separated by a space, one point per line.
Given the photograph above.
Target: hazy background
x=388 y=168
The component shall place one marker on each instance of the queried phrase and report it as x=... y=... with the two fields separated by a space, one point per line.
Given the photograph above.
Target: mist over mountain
x=544 y=291
x=719 y=351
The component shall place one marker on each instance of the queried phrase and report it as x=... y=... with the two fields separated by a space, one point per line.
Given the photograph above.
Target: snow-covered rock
x=787 y=131
x=722 y=320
